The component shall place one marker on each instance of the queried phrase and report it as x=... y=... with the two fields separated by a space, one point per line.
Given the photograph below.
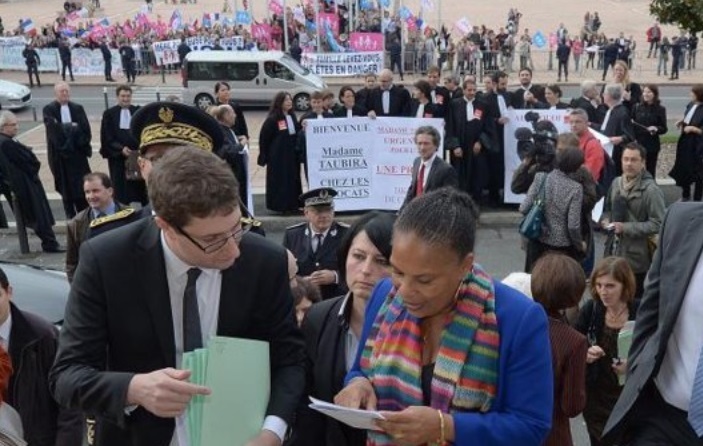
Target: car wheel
x=301 y=102
x=203 y=101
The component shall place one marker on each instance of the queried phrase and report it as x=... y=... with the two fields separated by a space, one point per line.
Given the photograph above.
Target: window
x=217 y=71
x=278 y=71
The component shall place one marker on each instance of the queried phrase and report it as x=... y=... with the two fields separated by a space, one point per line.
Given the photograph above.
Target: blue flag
x=539 y=40
x=243 y=18
x=384 y=3
x=365 y=5
x=405 y=13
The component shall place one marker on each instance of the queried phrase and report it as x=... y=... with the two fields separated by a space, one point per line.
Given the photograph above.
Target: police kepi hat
x=323 y=196
x=175 y=124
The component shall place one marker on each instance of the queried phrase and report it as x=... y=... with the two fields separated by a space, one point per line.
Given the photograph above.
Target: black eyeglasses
x=236 y=234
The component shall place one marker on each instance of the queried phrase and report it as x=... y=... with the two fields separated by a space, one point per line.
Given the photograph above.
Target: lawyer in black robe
x=21 y=168
x=688 y=168
x=113 y=140
x=68 y=147
x=277 y=151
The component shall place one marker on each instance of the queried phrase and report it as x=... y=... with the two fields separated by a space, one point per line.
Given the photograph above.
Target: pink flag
x=328 y=18
x=412 y=25
x=275 y=7
x=261 y=33
x=366 y=42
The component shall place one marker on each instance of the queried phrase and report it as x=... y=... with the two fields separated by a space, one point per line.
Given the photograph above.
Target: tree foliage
x=687 y=14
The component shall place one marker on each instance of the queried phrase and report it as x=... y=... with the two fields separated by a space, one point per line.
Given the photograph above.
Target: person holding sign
x=430 y=171
x=388 y=99
x=449 y=355
x=164 y=286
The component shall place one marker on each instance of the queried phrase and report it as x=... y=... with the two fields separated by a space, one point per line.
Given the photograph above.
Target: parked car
x=14 y=96
x=254 y=77
x=38 y=290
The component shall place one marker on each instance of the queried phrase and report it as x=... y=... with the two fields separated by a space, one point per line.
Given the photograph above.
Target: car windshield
x=294 y=65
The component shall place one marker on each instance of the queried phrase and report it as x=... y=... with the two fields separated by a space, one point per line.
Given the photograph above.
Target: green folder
x=237 y=371
x=624 y=344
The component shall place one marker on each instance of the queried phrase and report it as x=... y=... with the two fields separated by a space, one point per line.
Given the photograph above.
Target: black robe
x=68 y=147
x=112 y=140
x=231 y=151
x=21 y=168
x=277 y=151
x=460 y=132
x=688 y=167
x=240 y=123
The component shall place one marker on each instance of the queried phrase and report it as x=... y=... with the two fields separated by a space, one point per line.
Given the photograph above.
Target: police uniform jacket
x=298 y=239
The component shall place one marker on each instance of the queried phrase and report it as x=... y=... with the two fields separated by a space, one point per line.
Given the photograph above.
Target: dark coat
x=518 y=97
x=464 y=133
x=65 y=53
x=325 y=331
x=584 y=104
x=240 y=123
x=646 y=115
x=99 y=353
x=68 y=147
x=232 y=152
x=442 y=174
x=399 y=104
x=688 y=166
x=429 y=112
x=357 y=110
x=298 y=240
x=20 y=167
x=277 y=151
x=33 y=343
x=668 y=279
x=441 y=101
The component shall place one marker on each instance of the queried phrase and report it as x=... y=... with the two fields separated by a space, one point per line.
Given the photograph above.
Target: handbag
x=531 y=224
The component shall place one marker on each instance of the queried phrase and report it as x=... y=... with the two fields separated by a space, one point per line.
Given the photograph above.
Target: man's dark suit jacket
x=118 y=323
x=429 y=112
x=519 y=97
x=619 y=124
x=441 y=175
x=680 y=246
x=399 y=104
x=585 y=104
x=112 y=138
x=357 y=110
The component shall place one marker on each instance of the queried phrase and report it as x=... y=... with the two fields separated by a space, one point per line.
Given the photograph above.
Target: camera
x=538 y=143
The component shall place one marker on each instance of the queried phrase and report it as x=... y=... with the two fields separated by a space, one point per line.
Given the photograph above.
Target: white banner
x=11 y=58
x=12 y=41
x=343 y=64
x=88 y=62
x=560 y=119
x=166 y=51
x=367 y=161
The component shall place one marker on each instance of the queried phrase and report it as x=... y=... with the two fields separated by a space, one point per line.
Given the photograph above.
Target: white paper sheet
x=360 y=419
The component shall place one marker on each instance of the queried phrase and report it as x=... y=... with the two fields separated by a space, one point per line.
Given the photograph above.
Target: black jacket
x=33 y=344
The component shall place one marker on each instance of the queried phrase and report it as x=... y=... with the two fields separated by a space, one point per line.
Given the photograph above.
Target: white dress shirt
x=386 y=101
x=125 y=118
x=433 y=96
x=350 y=113
x=678 y=369
x=5 y=330
x=208 y=289
x=605 y=120
x=351 y=342
x=313 y=239
x=290 y=124
x=66 y=114
x=689 y=115
x=469 y=110
x=428 y=167
x=420 y=111
x=502 y=107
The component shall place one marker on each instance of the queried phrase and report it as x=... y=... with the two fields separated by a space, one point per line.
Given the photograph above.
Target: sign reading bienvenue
x=367 y=161
x=343 y=64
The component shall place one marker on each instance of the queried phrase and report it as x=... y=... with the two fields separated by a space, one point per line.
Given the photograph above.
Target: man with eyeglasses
x=161 y=287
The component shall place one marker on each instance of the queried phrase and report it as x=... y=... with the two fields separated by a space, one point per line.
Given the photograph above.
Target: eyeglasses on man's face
x=236 y=233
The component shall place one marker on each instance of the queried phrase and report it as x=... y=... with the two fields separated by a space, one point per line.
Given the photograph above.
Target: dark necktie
x=318 y=243
x=420 y=181
x=192 y=334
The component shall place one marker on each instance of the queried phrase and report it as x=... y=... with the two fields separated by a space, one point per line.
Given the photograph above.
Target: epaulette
x=342 y=224
x=121 y=215
x=250 y=221
x=297 y=225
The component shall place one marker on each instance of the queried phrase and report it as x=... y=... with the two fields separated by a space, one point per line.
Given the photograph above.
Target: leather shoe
x=55 y=249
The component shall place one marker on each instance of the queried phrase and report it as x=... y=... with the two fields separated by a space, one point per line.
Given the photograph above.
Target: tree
x=687 y=14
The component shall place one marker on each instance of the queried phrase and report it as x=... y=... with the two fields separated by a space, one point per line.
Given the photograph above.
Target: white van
x=253 y=76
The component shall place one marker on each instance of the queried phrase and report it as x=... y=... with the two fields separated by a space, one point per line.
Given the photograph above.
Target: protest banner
x=343 y=64
x=560 y=119
x=166 y=52
x=366 y=42
x=367 y=161
x=88 y=62
x=13 y=41
x=11 y=58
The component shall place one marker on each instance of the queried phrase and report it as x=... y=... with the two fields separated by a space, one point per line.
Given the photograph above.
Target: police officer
x=315 y=241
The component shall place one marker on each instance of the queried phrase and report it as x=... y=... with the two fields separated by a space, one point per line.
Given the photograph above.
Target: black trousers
x=657 y=423
x=564 y=65
x=108 y=70
x=66 y=65
x=697 y=190
x=33 y=69
x=652 y=157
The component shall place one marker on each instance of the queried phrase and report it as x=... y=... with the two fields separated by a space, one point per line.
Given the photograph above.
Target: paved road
x=674 y=98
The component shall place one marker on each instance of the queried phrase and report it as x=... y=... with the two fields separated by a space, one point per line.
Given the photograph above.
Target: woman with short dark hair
x=332 y=328
x=421 y=105
x=649 y=123
x=223 y=97
x=563 y=201
x=558 y=283
x=349 y=108
x=449 y=355
x=688 y=168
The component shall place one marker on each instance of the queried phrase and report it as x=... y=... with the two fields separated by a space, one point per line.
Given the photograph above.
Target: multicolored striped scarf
x=466 y=369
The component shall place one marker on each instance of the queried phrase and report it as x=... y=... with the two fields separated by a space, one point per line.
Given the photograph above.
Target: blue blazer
x=522 y=410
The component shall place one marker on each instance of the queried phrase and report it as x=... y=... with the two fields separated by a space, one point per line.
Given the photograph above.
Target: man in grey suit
x=430 y=171
x=662 y=402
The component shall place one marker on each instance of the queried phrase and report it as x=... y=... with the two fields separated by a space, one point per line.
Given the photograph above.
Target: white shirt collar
x=313 y=231
x=5 y=330
x=429 y=162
